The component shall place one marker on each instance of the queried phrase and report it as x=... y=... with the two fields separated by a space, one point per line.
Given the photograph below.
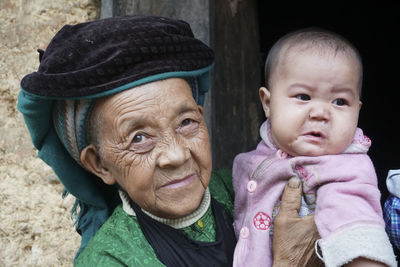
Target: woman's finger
x=291 y=198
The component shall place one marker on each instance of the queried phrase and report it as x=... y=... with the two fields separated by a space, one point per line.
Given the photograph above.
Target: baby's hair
x=311 y=38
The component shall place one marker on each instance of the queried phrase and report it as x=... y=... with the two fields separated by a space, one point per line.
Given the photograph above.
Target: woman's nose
x=174 y=154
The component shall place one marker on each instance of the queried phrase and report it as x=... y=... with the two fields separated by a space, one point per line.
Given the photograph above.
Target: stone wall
x=35 y=224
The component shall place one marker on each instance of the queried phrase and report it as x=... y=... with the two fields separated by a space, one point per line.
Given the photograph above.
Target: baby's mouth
x=315 y=135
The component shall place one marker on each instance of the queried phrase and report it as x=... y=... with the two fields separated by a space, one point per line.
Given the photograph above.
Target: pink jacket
x=342 y=189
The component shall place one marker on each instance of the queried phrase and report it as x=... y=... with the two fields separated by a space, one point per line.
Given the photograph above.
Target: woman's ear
x=265 y=97
x=201 y=109
x=92 y=161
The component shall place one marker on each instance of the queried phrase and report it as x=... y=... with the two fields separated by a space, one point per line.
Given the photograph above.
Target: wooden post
x=236 y=109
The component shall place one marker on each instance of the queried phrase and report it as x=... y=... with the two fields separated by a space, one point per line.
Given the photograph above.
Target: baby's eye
x=340 y=102
x=303 y=97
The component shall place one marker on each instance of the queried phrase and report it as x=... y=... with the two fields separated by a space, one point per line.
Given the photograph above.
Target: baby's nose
x=320 y=111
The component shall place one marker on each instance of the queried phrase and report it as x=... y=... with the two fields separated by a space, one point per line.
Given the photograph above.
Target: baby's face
x=314 y=103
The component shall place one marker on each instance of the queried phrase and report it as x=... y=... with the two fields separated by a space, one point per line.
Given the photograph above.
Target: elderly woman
x=115 y=110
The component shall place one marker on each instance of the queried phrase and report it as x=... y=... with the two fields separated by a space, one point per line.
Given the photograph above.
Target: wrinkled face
x=156 y=146
x=314 y=103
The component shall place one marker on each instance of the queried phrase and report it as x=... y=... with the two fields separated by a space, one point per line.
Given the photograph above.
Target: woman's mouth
x=180 y=182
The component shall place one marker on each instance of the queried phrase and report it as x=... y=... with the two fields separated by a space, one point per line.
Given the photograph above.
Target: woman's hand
x=294 y=237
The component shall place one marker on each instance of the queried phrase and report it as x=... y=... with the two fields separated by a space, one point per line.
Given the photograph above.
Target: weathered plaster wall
x=35 y=224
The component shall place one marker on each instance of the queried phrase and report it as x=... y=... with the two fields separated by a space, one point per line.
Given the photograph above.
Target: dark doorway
x=373 y=28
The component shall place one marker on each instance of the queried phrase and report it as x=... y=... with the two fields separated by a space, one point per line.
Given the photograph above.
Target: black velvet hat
x=94 y=57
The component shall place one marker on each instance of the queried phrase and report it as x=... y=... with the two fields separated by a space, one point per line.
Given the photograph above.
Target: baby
x=312 y=103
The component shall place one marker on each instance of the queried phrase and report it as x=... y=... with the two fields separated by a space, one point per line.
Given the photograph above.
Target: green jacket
x=120 y=242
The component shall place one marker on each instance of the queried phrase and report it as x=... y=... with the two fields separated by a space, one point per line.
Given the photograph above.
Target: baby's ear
x=265 y=97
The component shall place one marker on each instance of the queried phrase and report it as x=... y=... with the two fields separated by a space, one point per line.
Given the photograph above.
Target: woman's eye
x=340 y=102
x=142 y=143
x=188 y=126
x=303 y=97
x=186 y=122
x=139 y=138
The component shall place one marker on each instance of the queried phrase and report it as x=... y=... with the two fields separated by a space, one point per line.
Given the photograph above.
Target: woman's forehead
x=158 y=96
